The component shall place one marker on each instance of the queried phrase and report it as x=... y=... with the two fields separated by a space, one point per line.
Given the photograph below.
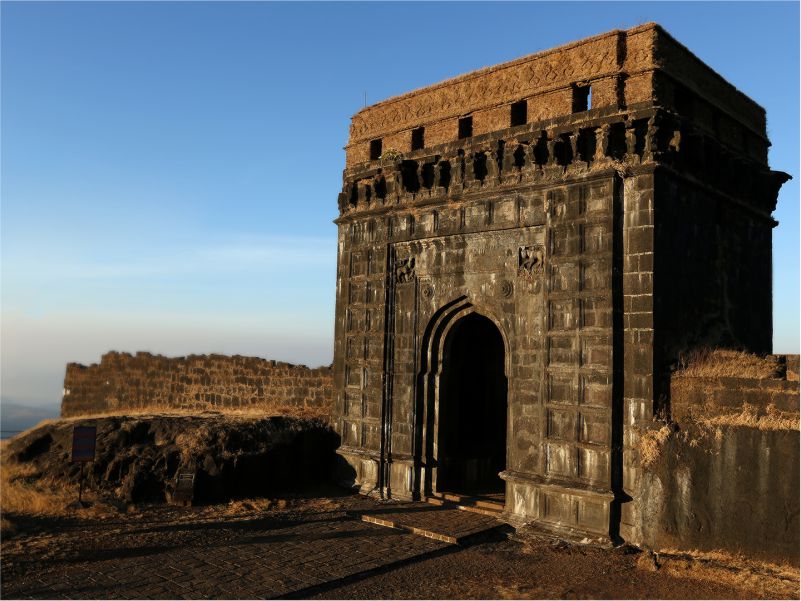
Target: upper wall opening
x=518 y=113
x=418 y=138
x=375 y=149
x=465 y=127
x=582 y=98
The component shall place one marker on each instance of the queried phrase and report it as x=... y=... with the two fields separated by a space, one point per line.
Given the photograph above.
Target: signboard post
x=84 y=439
x=184 y=488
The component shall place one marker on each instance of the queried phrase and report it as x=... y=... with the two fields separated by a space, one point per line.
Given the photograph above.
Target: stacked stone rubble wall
x=122 y=381
x=691 y=396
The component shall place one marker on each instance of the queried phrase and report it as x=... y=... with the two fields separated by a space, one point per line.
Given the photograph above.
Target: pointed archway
x=472 y=409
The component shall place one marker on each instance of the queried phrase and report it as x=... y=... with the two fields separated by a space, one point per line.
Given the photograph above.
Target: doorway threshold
x=491 y=504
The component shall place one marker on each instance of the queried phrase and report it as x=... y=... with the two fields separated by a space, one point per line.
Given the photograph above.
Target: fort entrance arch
x=471 y=415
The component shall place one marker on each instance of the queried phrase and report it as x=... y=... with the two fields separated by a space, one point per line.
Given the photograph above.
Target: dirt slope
x=137 y=457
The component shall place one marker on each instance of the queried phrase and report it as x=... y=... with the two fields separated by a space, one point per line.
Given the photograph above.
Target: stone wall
x=724 y=474
x=694 y=397
x=122 y=381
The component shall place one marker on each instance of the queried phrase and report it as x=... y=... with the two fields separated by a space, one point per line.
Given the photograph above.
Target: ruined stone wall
x=725 y=473
x=122 y=381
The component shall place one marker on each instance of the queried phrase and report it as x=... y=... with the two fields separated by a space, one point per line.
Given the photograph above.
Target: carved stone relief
x=529 y=260
x=404 y=270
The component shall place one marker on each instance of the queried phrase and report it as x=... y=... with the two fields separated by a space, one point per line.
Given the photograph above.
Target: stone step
x=447 y=523
x=477 y=504
x=493 y=510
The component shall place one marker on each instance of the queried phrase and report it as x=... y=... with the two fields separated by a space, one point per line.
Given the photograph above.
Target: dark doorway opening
x=472 y=410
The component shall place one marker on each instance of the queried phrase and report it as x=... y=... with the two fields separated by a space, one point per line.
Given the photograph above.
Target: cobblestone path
x=321 y=548
x=164 y=554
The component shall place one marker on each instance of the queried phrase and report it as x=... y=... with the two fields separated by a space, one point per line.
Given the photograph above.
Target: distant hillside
x=15 y=417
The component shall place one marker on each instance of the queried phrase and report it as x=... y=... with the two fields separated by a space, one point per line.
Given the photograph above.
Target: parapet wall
x=122 y=381
x=724 y=473
x=723 y=382
x=643 y=65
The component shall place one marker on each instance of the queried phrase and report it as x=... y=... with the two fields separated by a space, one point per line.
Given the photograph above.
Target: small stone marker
x=184 y=488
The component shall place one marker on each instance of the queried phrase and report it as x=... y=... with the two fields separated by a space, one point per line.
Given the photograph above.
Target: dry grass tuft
x=751 y=417
x=777 y=581
x=193 y=442
x=24 y=491
x=651 y=444
x=724 y=363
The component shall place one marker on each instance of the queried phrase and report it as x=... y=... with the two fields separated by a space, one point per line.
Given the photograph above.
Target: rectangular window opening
x=465 y=127
x=418 y=138
x=375 y=149
x=582 y=98
x=519 y=113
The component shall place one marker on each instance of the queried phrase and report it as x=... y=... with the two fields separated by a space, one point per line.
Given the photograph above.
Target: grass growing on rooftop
x=724 y=363
x=751 y=417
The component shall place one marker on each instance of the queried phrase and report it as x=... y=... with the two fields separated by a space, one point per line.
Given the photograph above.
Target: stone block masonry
x=124 y=382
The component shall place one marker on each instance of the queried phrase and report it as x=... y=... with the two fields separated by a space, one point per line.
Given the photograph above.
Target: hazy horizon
x=170 y=171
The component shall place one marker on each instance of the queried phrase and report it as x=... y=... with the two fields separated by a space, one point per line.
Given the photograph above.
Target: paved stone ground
x=319 y=547
x=164 y=554
x=500 y=568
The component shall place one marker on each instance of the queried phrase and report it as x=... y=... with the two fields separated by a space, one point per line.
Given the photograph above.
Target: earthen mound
x=137 y=458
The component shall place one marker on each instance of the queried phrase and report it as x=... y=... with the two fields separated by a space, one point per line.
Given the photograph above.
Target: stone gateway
x=523 y=253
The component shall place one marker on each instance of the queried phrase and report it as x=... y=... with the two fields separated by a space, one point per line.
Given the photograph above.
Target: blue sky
x=170 y=171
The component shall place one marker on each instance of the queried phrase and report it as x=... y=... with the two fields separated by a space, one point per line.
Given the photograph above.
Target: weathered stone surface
x=123 y=382
x=598 y=240
x=733 y=488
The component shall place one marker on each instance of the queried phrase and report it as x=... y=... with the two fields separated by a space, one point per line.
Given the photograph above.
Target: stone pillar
x=638 y=340
x=573 y=136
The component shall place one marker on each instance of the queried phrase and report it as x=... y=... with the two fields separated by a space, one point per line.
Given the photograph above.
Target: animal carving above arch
x=529 y=260
x=404 y=270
